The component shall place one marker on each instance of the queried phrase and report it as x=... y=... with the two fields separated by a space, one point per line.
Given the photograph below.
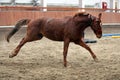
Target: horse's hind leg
x=23 y=41
x=16 y=50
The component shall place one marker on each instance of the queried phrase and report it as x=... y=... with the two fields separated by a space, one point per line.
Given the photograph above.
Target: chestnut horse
x=69 y=29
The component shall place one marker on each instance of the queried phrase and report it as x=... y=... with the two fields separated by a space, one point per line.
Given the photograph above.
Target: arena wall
x=10 y=17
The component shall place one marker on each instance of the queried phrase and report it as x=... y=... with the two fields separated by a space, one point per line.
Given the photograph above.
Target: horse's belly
x=54 y=35
x=55 y=38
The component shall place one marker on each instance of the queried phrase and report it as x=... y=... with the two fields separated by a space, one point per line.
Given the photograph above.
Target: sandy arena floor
x=43 y=59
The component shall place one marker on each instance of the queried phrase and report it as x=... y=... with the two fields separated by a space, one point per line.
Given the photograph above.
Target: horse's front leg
x=81 y=43
x=66 y=45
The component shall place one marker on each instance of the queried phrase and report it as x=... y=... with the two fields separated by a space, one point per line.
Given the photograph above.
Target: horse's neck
x=83 y=27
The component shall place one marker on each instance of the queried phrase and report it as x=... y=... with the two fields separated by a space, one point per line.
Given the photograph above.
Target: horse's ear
x=100 y=15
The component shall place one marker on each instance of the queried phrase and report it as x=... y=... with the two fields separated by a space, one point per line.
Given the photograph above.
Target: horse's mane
x=84 y=14
x=81 y=14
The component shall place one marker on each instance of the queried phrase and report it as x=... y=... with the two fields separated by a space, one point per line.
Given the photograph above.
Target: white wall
x=110 y=3
x=5 y=1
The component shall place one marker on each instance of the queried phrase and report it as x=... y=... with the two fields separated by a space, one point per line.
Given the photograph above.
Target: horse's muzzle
x=99 y=36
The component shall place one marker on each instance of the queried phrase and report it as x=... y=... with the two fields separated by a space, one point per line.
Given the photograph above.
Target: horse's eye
x=98 y=22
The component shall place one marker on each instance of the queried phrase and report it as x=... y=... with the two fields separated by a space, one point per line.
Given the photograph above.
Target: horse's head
x=85 y=20
x=96 y=25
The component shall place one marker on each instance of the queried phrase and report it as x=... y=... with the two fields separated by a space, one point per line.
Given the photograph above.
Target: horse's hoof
x=65 y=65
x=96 y=60
x=11 y=55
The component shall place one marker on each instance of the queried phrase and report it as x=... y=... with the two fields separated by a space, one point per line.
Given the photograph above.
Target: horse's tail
x=17 y=27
